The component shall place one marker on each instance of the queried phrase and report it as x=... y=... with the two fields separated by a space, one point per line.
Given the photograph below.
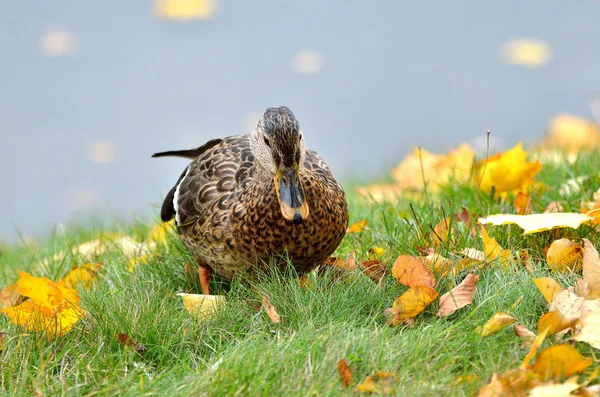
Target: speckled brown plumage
x=227 y=210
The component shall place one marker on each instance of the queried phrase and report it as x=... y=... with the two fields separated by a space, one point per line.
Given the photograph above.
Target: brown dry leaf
x=525 y=259
x=459 y=296
x=582 y=288
x=554 y=322
x=380 y=383
x=357 y=227
x=345 y=373
x=559 y=361
x=10 y=296
x=554 y=206
x=549 y=288
x=590 y=324
x=554 y=389
x=496 y=323
x=522 y=332
x=374 y=269
x=126 y=341
x=512 y=383
x=338 y=263
x=537 y=342
x=493 y=251
x=568 y=304
x=591 y=266
x=564 y=255
x=270 y=309
x=410 y=304
x=474 y=254
x=2 y=337
x=350 y=263
x=440 y=233
x=411 y=272
x=522 y=203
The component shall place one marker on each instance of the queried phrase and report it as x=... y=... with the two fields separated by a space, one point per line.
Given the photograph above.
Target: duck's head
x=278 y=145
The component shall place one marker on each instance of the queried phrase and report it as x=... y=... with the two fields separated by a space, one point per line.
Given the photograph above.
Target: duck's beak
x=290 y=194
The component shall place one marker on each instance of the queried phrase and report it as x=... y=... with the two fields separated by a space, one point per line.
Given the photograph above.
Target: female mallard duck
x=247 y=199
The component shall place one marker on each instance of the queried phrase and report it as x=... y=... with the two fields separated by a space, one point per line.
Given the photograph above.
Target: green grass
x=241 y=352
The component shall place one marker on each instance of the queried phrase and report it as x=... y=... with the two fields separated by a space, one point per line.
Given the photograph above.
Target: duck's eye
x=267 y=142
x=301 y=136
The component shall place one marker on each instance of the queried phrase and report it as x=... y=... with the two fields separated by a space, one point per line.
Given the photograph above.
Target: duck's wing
x=209 y=180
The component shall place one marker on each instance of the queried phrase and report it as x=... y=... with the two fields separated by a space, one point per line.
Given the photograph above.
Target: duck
x=249 y=202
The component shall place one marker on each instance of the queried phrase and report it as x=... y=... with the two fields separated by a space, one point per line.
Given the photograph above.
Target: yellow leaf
x=591 y=266
x=536 y=223
x=158 y=233
x=380 y=383
x=459 y=296
x=548 y=287
x=537 y=342
x=52 y=308
x=357 y=227
x=82 y=275
x=138 y=260
x=515 y=382
x=202 y=306
x=497 y=322
x=474 y=254
x=437 y=264
x=410 y=304
x=183 y=10
x=9 y=295
x=523 y=203
x=378 y=251
x=559 y=361
x=564 y=255
x=440 y=233
x=507 y=171
x=554 y=322
x=590 y=324
x=411 y=272
x=493 y=251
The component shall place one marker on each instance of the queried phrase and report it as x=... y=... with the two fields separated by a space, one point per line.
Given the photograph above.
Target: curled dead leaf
x=459 y=296
x=590 y=324
x=270 y=310
x=564 y=255
x=497 y=322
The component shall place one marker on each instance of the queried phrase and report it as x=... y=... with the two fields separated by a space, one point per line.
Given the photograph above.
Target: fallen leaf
x=535 y=223
x=508 y=171
x=357 y=227
x=411 y=272
x=554 y=322
x=378 y=251
x=410 y=304
x=440 y=233
x=548 y=287
x=83 y=275
x=493 y=251
x=126 y=341
x=553 y=207
x=345 y=373
x=374 y=269
x=564 y=255
x=525 y=260
x=522 y=203
x=270 y=310
x=514 y=382
x=496 y=323
x=537 y=342
x=459 y=296
x=554 y=389
x=52 y=308
x=568 y=304
x=522 y=332
x=592 y=207
x=158 y=233
x=473 y=254
x=437 y=264
x=10 y=296
x=201 y=306
x=380 y=383
x=591 y=266
x=590 y=324
x=559 y=361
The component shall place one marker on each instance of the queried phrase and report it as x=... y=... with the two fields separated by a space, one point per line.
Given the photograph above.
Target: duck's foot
x=204 y=273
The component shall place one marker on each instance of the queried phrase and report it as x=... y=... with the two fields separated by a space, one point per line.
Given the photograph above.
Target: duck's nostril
x=297 y=218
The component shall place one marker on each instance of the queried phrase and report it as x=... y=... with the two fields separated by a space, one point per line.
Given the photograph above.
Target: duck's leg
x=205 y=273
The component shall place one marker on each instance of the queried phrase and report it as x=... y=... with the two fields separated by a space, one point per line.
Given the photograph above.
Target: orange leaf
x=459 y=296
x=554 y=322
x=537 y=342
x=440 y=233
x=410 y=304
x=560 y=361
x=523 y=203
x=374 y=269
x=345 y=373
x=496 y=323
x=548 y=287
x=357 y=227
x=411 y=272
x=493 y=251
x=270 y=309
x=564 y=255
x=380 y=383
x=591 y=266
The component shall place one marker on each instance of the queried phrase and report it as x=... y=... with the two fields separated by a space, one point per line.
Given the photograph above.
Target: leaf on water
x=410 y=304
x=506 y=172
x=591 y=267
x=564 y=255
x=202 y=306
x=554 y=322
x=270 y=310
x=459 y=296
x=493 y=251
x=559 y=361
x=411 y=272
x=345 y=373
x=357 y=227
x=497 y=322
x=374 y=269
x=548 y=287
x=380 y=383
x=522 y=203
x=536 y=223
x=590 y=324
